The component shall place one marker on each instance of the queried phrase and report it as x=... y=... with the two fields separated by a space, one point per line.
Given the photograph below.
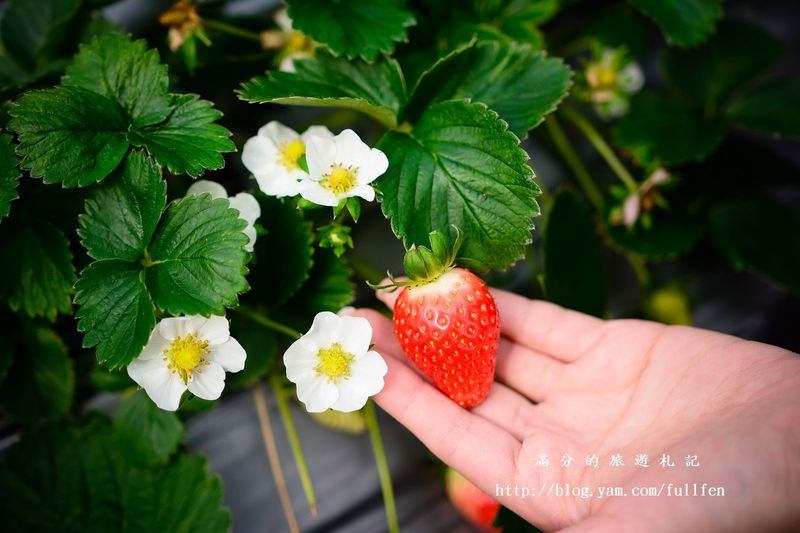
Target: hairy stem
x=573 y=161
x=258 y=318
x=383 y=467
x=601 y=146
x=279 y=391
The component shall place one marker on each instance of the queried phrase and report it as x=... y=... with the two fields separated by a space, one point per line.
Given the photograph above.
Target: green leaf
x=460 y=166
x=684 y=23
x=283 y=255
x=73 y=477
x=660 y=130
x=9 y=175
x=111 y=380
x=772 y=107
x=147 y=435
x=573 y=257
x=40 y=381
x=376 y=89
x=354 y=29
x=520 y=84
x=261 y=347
x=121 y=216
x=69 y=135
x=198 y=257
x=754 y=234
x=39 y=279
x=671 y=234
x=620 y=29
x=709 y=75
x=328 y=288
x=30 y=30
x=189 y=141
x=126 y=72
x=116 y=311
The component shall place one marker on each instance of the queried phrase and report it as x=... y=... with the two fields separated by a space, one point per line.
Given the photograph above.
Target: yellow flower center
x=185 y=354
x=334 y=363
x=298 y=43
x=601 y=77
x=289 y=152
x=340 y=179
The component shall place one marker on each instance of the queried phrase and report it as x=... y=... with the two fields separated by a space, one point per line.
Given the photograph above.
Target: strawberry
x=475 y=505
x=447 y=322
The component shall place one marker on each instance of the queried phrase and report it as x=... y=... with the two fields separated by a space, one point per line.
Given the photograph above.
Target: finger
x=383 y=336
x=480 y=450
x=508 y=410
x=527 y=371
x=389 y=296
x=546 y=327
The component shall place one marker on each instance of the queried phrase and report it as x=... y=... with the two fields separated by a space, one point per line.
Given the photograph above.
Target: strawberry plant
x=181 y=198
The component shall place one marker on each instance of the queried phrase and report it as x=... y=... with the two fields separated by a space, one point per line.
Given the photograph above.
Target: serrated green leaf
x=376 y=89
x=461 y=167
x=72 y=477
x=189 y=141
x=709 y=75
x=573 y=258
x=684 y=23
x=661 y=130
x=40 y=381
x=121 y=216
x=354 y=29
x=30 y=29
x=758 y=235
x=9 y=175
x=116 y=312
x=520 y=84
x=126 y=72
x=69 y=135
x=328 y=287
x=39 y=279
x=261 y=347
x=198 y=257
x=147 y=435
x=772 y=108
x=283 y=255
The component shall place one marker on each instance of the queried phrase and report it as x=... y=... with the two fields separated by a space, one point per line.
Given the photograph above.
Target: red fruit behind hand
x=475 y=505
x=450 y=328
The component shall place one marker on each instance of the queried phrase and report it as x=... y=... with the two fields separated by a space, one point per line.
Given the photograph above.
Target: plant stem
x=294 y=441
x=601 y=146
x=573 y=161
x=274 y=459
x=230 y=29
x=383 y=467
x=363 y=269
x=255 y=316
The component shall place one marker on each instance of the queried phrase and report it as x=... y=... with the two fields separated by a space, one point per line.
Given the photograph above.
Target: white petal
x=300 y=359
x=325 y=330
x=314 y=192
x=374 y=166
x=281 y=18
x=250 y=231
x=356 y=334
x=350 y=149
x=320 y=155
x=317 y=394
x=630 y=209
x=259 y=155
x=277 y=133
x=154 y=349
x=174 y=327
x=278 y=183
x=165 y=388
x=215 y=330
x=366 y=380
x=287 y=64
x=316 y=131
x=364 y=191
x=229 y=355
x=212 y=187
x=207 y=382
x=247 y=205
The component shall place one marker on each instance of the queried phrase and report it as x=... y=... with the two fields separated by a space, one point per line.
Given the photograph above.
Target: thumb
x=389 y=296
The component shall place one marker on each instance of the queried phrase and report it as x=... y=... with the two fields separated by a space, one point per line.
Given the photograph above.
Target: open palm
x=571 y=386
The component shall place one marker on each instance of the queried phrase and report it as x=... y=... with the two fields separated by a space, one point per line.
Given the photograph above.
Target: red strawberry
x=447 y=323
x=475 y=505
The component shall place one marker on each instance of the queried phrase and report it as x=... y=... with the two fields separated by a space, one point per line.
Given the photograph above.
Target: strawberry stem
x=383 y=467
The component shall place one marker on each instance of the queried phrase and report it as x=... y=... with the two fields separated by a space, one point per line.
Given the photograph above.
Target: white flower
x=296 y=44
x=333 y=366
x=272 y=157
x=341 y=167
x=245 y=203
x=192 y=352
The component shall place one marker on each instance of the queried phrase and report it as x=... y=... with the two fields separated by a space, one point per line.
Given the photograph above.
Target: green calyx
x=425 y=264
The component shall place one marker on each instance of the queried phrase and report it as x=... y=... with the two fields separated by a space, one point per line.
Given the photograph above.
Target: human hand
x=568 y=383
